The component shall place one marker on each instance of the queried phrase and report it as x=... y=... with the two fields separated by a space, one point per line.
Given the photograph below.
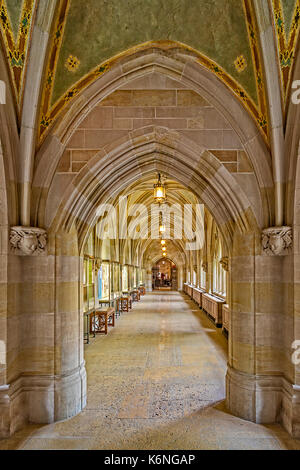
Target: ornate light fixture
x=162 y=225
x=164 y=248
x=159 y=190
x=164 y=254
x=163 y=242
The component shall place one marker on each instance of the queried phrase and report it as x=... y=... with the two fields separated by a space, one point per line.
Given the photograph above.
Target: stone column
x=257 y=326
x=290 y=412
x=291 y=382
x=198 y=268
x=46 y=378
x=181 y=276
x=6 y=427
x=69 y=365
x=148 y=282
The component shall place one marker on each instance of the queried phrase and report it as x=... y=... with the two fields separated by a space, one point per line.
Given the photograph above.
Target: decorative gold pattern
x=240 y=63
x=72 y=63
x=262 y=118
x=48 y=113
x=16 y=50
x=286 y=45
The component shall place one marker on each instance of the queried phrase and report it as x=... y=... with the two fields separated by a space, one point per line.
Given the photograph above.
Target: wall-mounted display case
x=115 y=280
x=88 y=284
x=142 y=277
x=125 y=283
x=107 y=280
x=104 y=281
x=130 y=277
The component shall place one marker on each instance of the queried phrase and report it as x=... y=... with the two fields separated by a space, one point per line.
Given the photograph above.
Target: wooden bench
x=102 y=319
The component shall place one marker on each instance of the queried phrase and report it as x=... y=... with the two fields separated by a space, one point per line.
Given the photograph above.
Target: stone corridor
x=156 y=381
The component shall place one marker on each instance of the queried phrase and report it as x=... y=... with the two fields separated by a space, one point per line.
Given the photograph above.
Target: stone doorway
x=164 y=275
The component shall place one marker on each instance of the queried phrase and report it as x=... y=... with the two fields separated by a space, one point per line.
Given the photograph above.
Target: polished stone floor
x=156 y=381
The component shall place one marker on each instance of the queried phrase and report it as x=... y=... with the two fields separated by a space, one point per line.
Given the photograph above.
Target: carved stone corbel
x=28 y=241
x=97 y=265
x=205 y=266
x=224 y=262
x=277 y=241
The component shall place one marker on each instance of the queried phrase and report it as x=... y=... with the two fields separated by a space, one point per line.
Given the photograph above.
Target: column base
x=264 y=399
x=41 y=399
x=254 y=398
x=13 y=408
x=290 y=414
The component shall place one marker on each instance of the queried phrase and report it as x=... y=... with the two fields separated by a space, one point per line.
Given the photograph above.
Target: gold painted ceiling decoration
x=49 y=110
x=287 y=37
x=16 y=19
x=262 y=112
x=240 y=63
x=16 y=48
x=72 y=63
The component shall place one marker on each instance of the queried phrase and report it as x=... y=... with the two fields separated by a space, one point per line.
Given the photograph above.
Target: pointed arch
x=191 y=75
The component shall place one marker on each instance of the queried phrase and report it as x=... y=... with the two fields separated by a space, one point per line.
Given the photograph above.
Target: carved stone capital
x=205 y=266
x=97 y=265
x=277 y=241
x=224 y=262
x=28 y=241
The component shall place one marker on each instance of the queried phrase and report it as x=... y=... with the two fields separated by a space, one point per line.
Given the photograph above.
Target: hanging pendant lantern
x=159 y=190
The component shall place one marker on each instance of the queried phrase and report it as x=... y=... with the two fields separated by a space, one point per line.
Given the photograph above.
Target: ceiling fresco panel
x=89 y=36
x=14 y=9
x=288 y=7
x=16 y=19
x=287 y=29
x=101 y=29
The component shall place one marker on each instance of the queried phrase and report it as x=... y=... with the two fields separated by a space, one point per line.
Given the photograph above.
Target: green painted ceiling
x=288 y=7
x=96 y=30
x=14 y=8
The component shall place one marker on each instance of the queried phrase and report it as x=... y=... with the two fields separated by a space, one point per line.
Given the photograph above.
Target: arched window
x=219 y=274
x=202 y=278
x=194 y=278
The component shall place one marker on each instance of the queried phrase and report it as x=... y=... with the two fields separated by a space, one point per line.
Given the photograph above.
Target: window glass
x=219 y=274
x=125 y=278
x=88 y=284
x=105 y=281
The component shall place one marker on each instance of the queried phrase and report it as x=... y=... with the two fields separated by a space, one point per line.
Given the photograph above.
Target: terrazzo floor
x=156 y=381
